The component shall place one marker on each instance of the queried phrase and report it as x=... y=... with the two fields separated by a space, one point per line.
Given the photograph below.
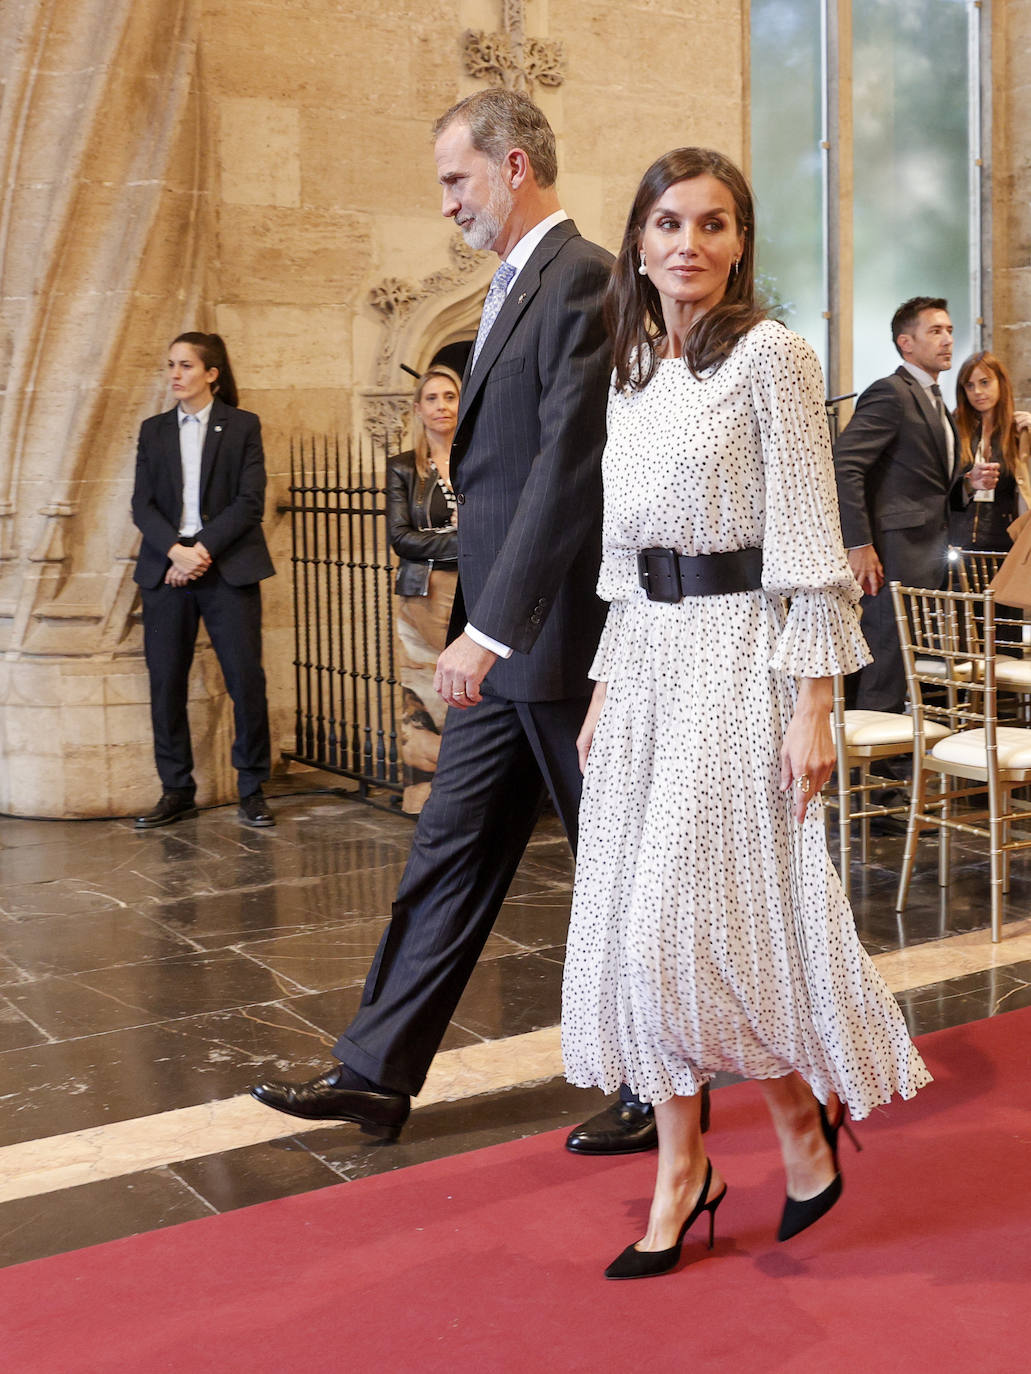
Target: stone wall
x=260 y=167
x=1011 y=191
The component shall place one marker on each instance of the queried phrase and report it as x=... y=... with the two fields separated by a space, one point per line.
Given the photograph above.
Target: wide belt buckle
x=658 y=571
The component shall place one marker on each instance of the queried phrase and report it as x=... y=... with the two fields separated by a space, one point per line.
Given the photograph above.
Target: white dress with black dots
x=709 y=930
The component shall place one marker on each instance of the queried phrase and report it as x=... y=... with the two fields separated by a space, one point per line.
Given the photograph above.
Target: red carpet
x=492 y=1261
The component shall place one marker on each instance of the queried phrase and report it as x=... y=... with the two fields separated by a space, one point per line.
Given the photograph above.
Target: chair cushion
x=885 y=727
x=1013 y=672
x=968 y=747
x=935 y=667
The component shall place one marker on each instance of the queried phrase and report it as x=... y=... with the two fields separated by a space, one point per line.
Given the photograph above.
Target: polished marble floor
x=147 y=979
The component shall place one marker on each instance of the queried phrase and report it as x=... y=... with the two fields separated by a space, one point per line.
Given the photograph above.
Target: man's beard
x=486 y=228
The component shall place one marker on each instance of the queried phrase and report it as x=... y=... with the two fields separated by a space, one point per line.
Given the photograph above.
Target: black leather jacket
x=419 y=544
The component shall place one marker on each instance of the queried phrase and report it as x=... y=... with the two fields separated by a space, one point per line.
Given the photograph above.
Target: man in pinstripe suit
x=526 y=466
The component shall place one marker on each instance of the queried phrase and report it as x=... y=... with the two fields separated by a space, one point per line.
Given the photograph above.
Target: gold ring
x=802 y=782
x=459 y=692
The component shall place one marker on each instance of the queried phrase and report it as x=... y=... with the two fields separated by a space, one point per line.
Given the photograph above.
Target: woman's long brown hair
x=633 y=309
x=968 y=420
x=212 y=351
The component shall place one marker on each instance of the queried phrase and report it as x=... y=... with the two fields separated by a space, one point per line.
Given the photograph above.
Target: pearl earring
x=642 y=269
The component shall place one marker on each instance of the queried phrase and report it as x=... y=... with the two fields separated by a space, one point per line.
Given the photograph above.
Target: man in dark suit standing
x=897 y=467
x=526 y=467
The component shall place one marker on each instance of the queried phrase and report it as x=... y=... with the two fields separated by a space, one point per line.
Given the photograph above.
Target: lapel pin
x=521 y=299
x=218 y=429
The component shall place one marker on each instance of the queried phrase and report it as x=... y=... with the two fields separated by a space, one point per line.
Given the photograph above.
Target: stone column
x=1011 y=198
x=103 y=235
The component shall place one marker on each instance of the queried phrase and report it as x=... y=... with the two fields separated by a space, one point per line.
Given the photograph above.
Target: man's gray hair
x=499 y=120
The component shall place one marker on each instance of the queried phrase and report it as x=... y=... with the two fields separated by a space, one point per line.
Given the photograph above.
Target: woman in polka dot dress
x=709 y=930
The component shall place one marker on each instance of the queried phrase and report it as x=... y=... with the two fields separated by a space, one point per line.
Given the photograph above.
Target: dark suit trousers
x=496 y=759
x=232 y=618
x=882 y=683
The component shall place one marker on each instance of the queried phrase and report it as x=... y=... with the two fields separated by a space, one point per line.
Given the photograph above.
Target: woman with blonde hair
x=994 y=448
x=423 y=527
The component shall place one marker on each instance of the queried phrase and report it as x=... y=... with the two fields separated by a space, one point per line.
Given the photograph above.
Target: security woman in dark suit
x=198 y=502
x=423 y=527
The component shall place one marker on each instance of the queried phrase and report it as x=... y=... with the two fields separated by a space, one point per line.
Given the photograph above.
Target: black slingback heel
x=798 y=1216
x=646 y=1264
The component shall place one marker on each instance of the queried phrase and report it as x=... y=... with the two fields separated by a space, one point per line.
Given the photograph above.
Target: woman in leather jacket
x=422 y=523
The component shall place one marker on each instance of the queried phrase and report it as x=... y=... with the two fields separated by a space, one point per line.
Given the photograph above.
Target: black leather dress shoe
x=173 y=806
x=624 y=1128
x=381 y=1114
x=253 y=810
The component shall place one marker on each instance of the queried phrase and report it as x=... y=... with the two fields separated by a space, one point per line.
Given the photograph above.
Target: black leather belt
x=670 y=576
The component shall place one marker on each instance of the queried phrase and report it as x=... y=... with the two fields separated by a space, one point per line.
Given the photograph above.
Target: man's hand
x=1022 y=419
x=460 y=669
x=867 y=569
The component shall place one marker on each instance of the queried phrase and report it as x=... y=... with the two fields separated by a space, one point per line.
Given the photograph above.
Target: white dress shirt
x=193 y=430
x=518 y=258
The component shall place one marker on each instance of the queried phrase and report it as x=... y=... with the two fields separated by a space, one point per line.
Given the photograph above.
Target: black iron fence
x=348 y=697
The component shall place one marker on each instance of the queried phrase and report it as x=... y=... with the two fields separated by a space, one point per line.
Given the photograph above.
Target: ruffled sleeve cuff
x=821 y=637
x=604 y=660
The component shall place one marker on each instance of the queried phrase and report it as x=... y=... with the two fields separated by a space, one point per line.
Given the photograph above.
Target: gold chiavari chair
x=978 y=757
x=972 y=570
x=859 y=738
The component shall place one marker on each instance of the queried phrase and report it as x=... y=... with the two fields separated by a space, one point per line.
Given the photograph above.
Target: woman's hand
x=807 y=755
x=586 y=736
x=192 y=560
x=984 y=476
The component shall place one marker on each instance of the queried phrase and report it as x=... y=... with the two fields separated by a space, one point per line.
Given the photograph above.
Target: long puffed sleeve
x=803 y=555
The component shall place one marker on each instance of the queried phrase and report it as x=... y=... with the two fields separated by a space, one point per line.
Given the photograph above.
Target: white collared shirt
x=518 y=258
x=523 y=251
x=193 y=430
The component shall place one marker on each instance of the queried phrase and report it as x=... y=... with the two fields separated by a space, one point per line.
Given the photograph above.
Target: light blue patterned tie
x=492 y=305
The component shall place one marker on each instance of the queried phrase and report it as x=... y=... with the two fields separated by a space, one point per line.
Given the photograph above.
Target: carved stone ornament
x=392 y=296
x=511 y=59
x=386 y=415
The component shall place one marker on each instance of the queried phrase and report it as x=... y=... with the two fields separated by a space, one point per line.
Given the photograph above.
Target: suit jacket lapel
x=171 y=468
x=518 y=300
x=933 y=418
x=216 y=426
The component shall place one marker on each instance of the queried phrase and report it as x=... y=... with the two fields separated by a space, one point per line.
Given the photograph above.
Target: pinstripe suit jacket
x=526 y=465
